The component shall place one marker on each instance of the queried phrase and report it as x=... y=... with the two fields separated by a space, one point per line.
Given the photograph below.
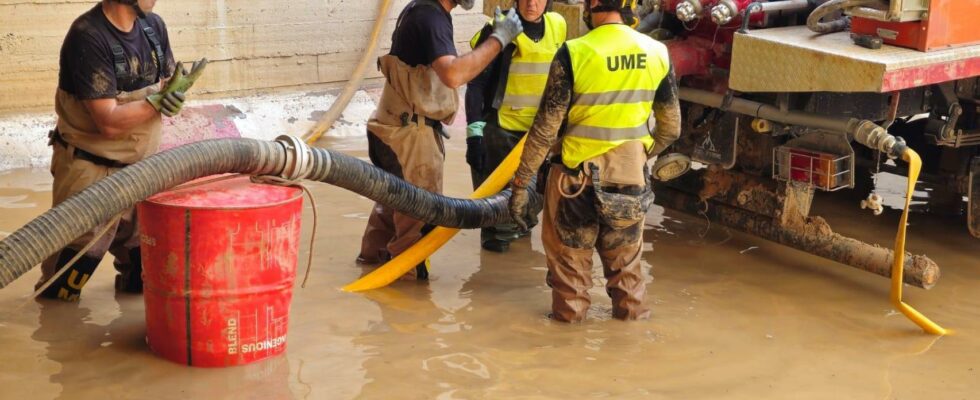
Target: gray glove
x=506 y=27
x=518 y=206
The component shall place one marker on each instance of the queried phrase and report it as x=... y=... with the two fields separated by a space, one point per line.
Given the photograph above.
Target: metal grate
x=824 y=171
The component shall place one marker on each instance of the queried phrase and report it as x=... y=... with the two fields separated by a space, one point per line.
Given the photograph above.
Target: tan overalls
x=402 y=142
x=573 y=227
x=74 y=171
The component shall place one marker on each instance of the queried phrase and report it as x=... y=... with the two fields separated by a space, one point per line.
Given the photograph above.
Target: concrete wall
x=254 y=45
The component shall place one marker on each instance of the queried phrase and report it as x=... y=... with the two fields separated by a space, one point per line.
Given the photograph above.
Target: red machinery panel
x=949 y=23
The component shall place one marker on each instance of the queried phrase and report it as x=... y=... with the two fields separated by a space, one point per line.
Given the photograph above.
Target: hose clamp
x=298 y=158
x=876 y=137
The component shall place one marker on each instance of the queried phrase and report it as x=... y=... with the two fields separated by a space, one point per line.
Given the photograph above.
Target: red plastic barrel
x=219 y=261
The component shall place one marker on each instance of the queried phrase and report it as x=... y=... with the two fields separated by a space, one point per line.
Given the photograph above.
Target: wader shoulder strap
x=119 y=55
x=500 y=90
x=157 y=50
x=119 y=59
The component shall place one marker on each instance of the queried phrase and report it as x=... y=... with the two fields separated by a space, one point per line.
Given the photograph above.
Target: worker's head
x=466 y=4
x=600 y=12
x=142 y=6
x=532 y=10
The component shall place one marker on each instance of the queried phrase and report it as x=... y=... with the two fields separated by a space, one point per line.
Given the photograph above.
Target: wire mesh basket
x=824 y=171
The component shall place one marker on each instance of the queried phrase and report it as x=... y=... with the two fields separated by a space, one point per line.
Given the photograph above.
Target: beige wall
x=253 y=44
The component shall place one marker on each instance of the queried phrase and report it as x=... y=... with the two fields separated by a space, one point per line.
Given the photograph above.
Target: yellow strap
x=915 y=165
x=431 y=242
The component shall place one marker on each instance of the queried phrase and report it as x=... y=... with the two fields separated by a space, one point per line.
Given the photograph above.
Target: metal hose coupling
x=688 y=10
x=724 y=12
x=876 y=137
x=299 y=158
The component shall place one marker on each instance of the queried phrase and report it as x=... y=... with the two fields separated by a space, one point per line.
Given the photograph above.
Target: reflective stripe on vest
x=616 y=72
x=528 y=74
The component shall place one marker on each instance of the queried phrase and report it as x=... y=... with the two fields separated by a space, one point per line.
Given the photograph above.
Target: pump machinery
x=781 y=99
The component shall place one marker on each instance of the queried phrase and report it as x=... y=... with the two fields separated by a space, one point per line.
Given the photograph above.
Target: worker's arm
x=456 y=71
x=667 y=110
x=555 y=101
x=477 y=105
x=115 y=120
x=476 y=89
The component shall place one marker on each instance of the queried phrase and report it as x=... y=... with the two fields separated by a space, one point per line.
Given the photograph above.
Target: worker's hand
x=518 y=206
x=506 y=27
x=171 y=104
x=475 y=152
x=181 y=82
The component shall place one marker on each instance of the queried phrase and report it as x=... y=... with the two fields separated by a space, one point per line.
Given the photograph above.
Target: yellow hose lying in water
x=915 y=165
x=404 y=262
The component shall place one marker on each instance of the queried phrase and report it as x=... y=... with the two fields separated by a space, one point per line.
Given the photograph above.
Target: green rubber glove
x=171 y=104
x=180 y=83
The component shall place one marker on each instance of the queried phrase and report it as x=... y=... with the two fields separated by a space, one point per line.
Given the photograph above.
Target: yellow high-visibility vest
x=616 y=72
x=528 y=74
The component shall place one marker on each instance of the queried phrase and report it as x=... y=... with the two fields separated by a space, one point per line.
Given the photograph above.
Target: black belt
x=55 y=137
x=556 y=160
x=435 y=124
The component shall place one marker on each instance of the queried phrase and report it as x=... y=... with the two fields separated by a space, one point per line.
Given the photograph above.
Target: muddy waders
x=405 y=138
x=82 y=157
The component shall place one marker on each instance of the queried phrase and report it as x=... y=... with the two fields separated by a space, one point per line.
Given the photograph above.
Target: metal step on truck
x=784 y=98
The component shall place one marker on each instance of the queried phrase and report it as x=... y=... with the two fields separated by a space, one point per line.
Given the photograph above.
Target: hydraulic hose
x=357 y=76
x=650 y=22
x=815 y=20
x=431 y=242
x=865 y=132
x=287 y=157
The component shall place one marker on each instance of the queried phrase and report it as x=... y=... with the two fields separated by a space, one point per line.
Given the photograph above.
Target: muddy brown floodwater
x=733 y=317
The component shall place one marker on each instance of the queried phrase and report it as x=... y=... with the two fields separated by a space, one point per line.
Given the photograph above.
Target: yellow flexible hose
x=357 y=76
x=431 y=242
x=915 y=166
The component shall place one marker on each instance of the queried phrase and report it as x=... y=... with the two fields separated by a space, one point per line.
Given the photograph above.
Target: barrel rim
x=298 y=194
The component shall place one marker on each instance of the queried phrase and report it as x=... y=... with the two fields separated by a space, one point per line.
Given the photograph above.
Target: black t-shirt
x=424 y=34
x=88 y=69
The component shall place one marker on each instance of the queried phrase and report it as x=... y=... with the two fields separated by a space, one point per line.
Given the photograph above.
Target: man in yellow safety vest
x=602 y=87
x=501 y=102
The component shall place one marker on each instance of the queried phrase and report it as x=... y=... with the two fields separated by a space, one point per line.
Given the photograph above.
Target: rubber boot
x=131 y=280
x=490 y=242
x=68 y=287
x=422 y=270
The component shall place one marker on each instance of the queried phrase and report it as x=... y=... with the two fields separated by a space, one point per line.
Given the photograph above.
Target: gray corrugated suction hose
x=287 y=157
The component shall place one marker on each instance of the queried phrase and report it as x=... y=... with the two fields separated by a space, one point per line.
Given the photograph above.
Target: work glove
x=475 y=150
x=475 y=153
x=506 y=27
x=174 y=91
x=518 y=206
x=171 y=104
